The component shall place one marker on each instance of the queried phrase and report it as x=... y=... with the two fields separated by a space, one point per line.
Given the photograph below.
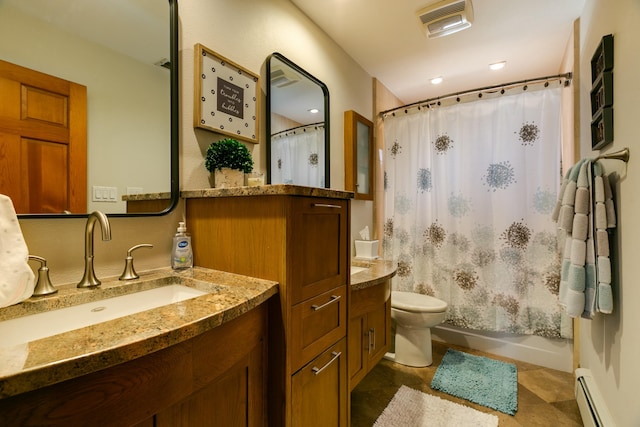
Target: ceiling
x=385 y=37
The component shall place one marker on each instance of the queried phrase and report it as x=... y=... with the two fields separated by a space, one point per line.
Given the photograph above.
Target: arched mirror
x=112 y=137
x=297 y=125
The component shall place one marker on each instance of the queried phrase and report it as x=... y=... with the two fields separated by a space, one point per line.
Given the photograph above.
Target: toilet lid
x=411 y=301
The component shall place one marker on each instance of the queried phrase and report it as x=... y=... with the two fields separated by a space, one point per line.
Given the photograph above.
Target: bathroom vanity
x=152 y=367
x=299 y=237
x=281 y=334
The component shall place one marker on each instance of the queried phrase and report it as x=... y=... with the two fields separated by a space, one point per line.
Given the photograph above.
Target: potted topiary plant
x=228 y=160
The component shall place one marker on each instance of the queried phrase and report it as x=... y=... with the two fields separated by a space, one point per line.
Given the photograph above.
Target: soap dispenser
x=181 y=254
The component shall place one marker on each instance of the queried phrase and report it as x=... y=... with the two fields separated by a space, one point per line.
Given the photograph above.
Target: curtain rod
x=293 y=129
x=567 y=76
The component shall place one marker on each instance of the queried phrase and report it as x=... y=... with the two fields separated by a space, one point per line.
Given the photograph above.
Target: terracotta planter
x=227 y=177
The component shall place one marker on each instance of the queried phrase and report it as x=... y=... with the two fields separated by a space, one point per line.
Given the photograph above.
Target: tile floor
x=545 y=396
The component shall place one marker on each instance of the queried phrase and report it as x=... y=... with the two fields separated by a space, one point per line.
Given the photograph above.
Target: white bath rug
x=413 y=408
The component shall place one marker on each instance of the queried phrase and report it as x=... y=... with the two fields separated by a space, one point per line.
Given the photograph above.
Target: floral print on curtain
x=469 y=191
x=297 y=157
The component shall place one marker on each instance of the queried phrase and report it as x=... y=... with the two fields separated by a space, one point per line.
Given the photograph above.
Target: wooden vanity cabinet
x=217 y=378
x=302 y=243
x=369 y=329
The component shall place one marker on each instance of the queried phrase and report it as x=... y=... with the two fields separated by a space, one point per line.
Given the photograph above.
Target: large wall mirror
x=297 y=125
x=124 y=54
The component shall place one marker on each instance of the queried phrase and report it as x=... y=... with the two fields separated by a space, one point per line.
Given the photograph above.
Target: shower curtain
x=297 y=157
x=469 y=191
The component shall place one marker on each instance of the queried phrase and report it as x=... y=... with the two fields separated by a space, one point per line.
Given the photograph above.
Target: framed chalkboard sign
x=226 y=96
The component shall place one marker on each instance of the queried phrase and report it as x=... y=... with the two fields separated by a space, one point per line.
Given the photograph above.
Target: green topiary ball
x=228 y=153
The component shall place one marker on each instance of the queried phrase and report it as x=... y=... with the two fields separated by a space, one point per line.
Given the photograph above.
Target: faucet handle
x=43 y=284
x=129 y=272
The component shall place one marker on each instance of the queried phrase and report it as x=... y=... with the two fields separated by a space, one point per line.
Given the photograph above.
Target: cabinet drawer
x=319 y=246
x=319 y=392
x=316 y=324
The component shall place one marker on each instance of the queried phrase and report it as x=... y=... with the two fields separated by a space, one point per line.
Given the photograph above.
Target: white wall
x=361 y=217
x=612 y=360
x=246 y=32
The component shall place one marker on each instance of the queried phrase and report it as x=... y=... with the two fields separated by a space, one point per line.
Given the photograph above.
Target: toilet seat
x=417 y=303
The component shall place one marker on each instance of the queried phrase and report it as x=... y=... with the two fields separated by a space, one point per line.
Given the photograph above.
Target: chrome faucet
x=89 y=280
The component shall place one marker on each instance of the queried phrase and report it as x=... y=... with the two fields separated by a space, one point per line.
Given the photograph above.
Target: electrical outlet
x=134 y=190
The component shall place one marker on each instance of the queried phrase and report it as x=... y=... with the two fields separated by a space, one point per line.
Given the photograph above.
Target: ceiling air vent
x=281 y=76
x=164 y=63
x=446 y=17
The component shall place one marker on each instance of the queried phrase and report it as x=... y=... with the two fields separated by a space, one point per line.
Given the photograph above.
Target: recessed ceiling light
x=436 y=80
x=314 y=111
x=497 y=65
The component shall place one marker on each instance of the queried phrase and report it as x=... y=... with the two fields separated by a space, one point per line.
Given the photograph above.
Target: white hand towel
x=16 y=279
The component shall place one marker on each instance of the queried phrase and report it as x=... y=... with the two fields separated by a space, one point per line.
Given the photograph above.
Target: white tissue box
x=367 y=249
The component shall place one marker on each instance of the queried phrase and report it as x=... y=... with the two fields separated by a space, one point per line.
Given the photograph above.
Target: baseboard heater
x=593 y=408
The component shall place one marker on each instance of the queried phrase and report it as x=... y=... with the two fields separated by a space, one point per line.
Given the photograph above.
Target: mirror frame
x=175 y=131
x=325 y=91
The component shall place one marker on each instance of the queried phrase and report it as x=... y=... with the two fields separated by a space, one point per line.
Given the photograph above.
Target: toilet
x=414 y=315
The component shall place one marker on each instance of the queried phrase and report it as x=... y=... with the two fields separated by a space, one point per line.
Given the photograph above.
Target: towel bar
x=616 y=155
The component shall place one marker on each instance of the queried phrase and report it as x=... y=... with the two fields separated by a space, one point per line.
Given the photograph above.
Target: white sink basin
x=355 y=269
x=36 y=326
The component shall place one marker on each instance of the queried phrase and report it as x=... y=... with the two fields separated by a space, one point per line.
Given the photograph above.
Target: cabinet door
x=319 y=395
x=229 y=401
x=358 y=347
x=369 y=339
x=358 y=155
x=319 y=251
x=316 y=324
x=378 y=335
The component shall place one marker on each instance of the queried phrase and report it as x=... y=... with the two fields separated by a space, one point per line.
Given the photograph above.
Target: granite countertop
x=267 y=190
x=376 y=272
x=39 y=363
x=146 y=196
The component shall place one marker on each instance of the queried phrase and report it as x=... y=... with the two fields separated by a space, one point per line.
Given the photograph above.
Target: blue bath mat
x=484 y=381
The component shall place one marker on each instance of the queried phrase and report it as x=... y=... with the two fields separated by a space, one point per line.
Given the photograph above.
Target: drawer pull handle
x=325 y=205
x=372 y=332
x=333 y=299
x=335 y=356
